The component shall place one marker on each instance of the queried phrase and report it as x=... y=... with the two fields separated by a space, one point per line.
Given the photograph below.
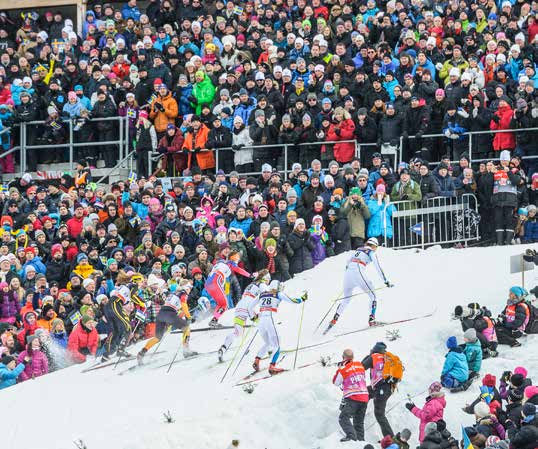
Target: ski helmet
x=372 y=241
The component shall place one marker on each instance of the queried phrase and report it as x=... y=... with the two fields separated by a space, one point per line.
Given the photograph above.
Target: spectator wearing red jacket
x=29 y=327
x=74 y=224
x=83 y=340
x=501 y=120
x=342 y=128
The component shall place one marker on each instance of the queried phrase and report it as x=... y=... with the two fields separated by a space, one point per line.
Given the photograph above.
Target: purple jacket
x=318 y=252
x=37 y=367
x=9 y=305
x=431 y=412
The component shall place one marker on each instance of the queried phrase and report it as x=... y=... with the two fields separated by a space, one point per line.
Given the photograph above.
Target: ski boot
x=105 y=358
x=371 y=321
x=221 y=352
x=492 y=353
x=273 y=369
x=122 y=353
x=214 y=323
x=256 y=364
x=140 y=356
x=188 y=352
x=331 y=324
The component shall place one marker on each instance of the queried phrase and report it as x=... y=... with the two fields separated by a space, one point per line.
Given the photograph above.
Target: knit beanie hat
x=517 y=380
x=405 y=435
x=481 y=410
x=470 y=335
x=529 y=409
x=452 y=343
x=431 y=427
x=530 y=391
x=515 y=395
x=489 y=380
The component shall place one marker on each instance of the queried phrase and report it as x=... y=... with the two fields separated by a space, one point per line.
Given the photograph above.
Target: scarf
x=271 y=263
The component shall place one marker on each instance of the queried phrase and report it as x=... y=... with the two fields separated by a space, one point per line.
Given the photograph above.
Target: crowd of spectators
x=192 y=77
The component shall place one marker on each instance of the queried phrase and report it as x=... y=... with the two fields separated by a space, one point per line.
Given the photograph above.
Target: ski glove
x=304 y=296
x=388 y=284
x=409 y=406
x=506 y=376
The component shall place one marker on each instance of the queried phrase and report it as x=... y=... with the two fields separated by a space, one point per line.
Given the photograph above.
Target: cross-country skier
x=216 y=283
x=245 y=309
x=355 y=278
x=269 y=302
x=117 y=312
x=174 y=314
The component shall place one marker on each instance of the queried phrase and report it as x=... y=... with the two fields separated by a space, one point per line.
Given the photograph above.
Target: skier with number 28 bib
x=269 y=302
x=355 y=278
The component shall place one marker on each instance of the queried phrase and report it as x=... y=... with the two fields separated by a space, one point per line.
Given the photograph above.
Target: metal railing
x=436 y=221
x=470 y=135
x=285 y=147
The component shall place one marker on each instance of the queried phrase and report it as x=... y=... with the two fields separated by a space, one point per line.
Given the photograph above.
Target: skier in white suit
x=355 y=278
x=269 y=302
x=245 y=309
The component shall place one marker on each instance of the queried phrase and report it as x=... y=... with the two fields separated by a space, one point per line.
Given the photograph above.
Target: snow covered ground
x=297 y=410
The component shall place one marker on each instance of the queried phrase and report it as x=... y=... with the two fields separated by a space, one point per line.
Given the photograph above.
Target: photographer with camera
x=356 y=211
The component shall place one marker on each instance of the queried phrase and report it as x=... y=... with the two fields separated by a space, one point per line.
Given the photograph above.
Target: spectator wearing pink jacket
x=38 y=365
x=433 y=408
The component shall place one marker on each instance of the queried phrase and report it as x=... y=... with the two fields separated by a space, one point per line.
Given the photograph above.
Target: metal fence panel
x=440 y=220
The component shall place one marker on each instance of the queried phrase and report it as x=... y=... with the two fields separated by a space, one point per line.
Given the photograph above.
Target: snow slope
x=294 y=410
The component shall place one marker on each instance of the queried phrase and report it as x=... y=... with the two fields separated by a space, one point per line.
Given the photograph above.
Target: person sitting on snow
x=473 y=352
x=512 y=322
x=488 y=394
x=455 y=370
x=479 y=318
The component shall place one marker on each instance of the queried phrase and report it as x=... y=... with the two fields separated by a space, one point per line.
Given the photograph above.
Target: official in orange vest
x=514 y=319
x=380 y=390
x=195 y=145
x=351 y=378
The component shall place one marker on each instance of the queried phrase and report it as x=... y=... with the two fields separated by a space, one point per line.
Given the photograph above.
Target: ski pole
x=361 y=293
x=168 y=329
x=333 y=302
x=299 y=335
x=127 y=341
x=245 y=336
x=246 y=352
x=173 y=360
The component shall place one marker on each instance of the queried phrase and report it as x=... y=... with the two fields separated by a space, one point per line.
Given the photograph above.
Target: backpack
x=532 y=325
x=393 y=368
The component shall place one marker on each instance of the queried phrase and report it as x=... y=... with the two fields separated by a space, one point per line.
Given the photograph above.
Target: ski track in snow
x=294 y=410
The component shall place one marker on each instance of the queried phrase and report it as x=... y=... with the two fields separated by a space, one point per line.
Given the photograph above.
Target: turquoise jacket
x=473 y=353
x=456 y=365
x=9 y=377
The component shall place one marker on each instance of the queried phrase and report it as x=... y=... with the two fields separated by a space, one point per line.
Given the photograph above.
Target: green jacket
x=356 y=215
x=204 y=92
x=407 y=192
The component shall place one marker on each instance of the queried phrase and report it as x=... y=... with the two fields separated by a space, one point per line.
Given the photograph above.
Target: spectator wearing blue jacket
x=9 y=370
x=141 y=209
x=241 y=221
x=130 y=11
x=446 y=183
x=245 y=107
x=84 y=100
x=380 y=222
x=530 y=226
x=423 y=63
x=455 y=369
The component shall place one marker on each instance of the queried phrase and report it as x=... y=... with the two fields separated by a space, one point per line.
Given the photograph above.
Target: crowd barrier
x=436 y=221
x=125 y=156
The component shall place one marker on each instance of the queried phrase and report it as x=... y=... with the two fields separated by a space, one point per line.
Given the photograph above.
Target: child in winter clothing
x=486 y=423
x=38 y=365
x=473 y=352
x=10 y=371
x=488 y=394
x=433 y=408
x=455 y=370
x=10 y=307
x=514 y=381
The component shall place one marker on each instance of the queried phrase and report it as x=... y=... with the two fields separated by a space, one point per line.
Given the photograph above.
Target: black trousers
x=119 y=323
x=167 y=316
x=351 y=418
x=507 y=336
x=381 y=394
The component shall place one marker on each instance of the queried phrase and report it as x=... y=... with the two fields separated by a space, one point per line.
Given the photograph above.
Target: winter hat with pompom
x=435 y=389
x=481 y=410
x=489 y=380
x=521 y=370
